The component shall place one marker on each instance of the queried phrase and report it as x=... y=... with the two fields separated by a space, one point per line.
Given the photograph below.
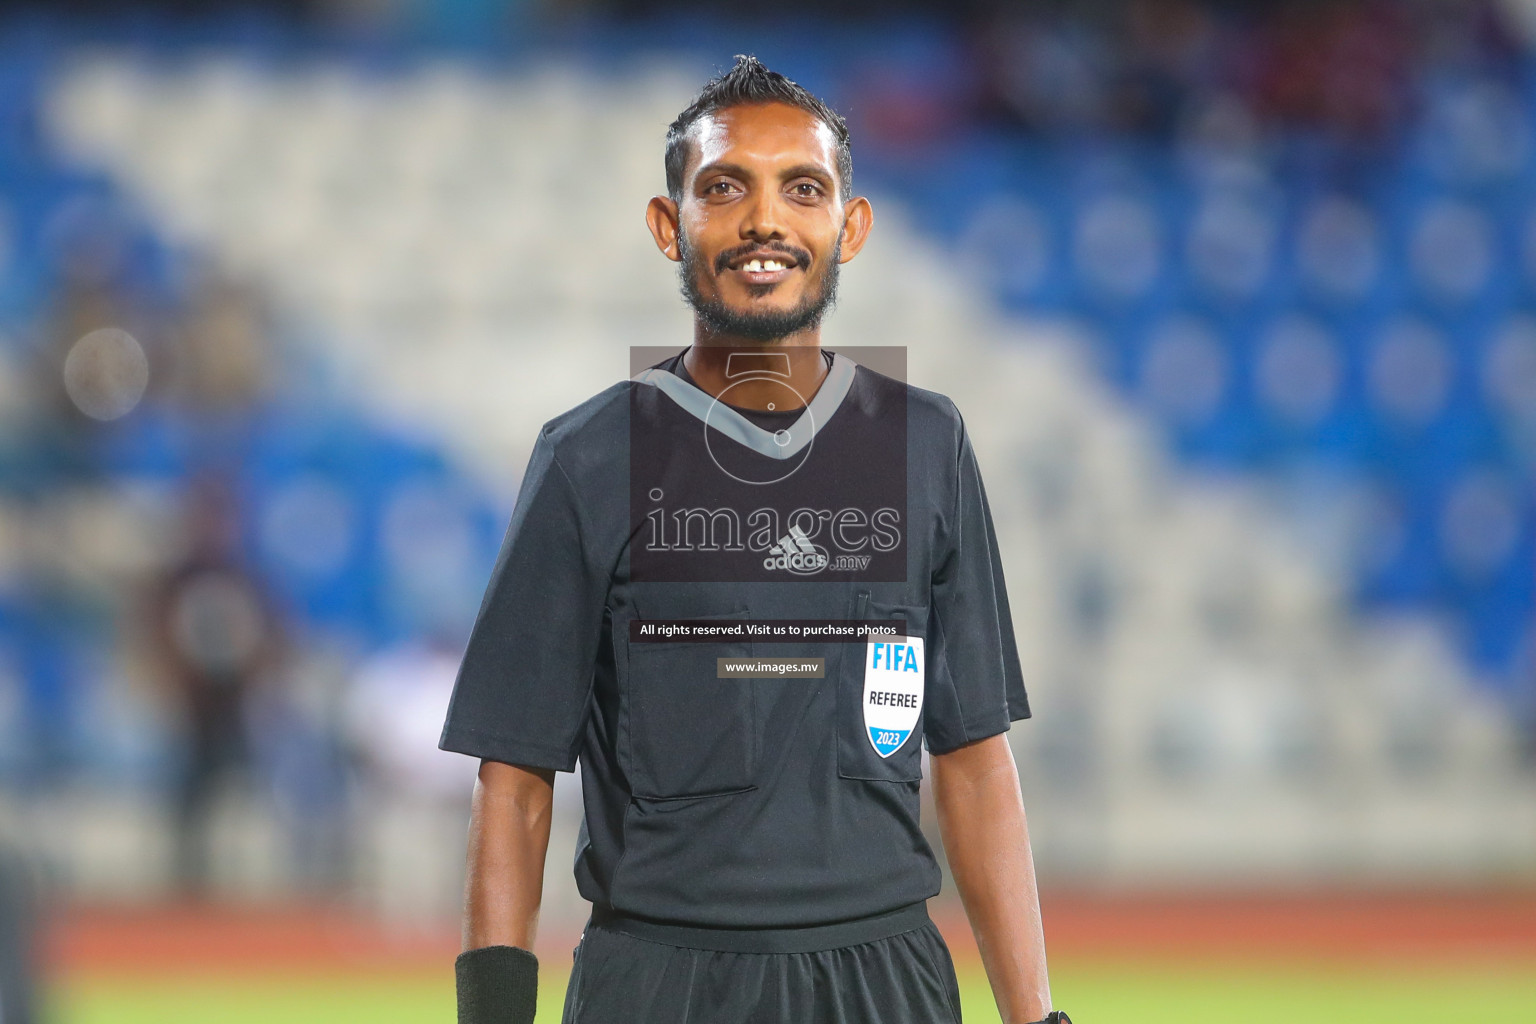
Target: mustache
x=724 y=259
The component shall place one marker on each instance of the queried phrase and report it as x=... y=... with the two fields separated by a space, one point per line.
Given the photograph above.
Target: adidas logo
x=795 y=552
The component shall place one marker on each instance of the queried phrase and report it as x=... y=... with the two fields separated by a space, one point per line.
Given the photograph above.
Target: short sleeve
x=523 y=687
x=977 y=687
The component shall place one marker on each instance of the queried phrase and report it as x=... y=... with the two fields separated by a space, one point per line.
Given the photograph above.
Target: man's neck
x=755 y=370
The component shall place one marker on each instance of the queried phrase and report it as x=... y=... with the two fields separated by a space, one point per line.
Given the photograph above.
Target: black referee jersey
x=714 y=802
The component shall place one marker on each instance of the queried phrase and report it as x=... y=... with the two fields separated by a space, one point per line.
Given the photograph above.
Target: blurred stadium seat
x=1261 y=436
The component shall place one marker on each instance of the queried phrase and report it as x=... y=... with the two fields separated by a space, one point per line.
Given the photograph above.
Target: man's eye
x=718 y=188
x=807 y=188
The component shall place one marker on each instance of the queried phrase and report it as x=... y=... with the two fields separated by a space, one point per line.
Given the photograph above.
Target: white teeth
x=772 y=265
x=759 y=266
x=753 y=267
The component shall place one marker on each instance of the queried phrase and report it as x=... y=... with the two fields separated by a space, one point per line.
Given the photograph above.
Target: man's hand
x=981 y=819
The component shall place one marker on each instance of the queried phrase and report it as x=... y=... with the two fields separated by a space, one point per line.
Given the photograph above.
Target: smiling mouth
x=758 y=266
x=765 y=270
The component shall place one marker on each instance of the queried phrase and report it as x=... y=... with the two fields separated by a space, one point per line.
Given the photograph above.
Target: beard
x=758 y=325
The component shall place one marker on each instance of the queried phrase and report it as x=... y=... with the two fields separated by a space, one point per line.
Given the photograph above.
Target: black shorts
x=620 y=978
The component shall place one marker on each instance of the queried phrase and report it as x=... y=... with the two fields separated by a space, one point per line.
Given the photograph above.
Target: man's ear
x=661 y=218
x=858 y=218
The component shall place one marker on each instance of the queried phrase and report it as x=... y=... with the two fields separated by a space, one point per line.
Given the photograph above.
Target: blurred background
x=1238 y=300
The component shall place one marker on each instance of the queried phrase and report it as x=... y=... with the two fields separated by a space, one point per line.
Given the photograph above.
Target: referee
x=743 y=590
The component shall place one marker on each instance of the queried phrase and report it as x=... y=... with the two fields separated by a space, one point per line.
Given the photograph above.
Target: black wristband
x=1055 y=1017
x=497 y=985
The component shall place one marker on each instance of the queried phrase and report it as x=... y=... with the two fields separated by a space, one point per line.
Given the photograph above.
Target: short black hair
x=750 y=81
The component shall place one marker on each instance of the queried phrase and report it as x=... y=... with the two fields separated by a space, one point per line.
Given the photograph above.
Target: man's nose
x=763 y=217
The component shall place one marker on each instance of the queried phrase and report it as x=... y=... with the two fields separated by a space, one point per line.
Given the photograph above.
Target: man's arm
x=508 y=837
x=981 y=820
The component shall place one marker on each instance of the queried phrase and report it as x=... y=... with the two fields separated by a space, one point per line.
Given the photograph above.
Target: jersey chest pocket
x=880 y=691
x=687 y=733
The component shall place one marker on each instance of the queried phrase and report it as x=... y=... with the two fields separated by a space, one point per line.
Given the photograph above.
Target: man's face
x=760 y=221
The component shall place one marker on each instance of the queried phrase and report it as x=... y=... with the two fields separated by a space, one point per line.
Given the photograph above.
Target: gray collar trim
x=714 y=413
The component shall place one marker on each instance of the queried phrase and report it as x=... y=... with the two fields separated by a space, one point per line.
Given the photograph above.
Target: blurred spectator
x=296 y=750
x=215 y=639
x=17 y=930
x=412 y=790
x=222 y=352
x=1147 y=67
x=92 y=371
x=1170 y=51
x=1340 y=67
